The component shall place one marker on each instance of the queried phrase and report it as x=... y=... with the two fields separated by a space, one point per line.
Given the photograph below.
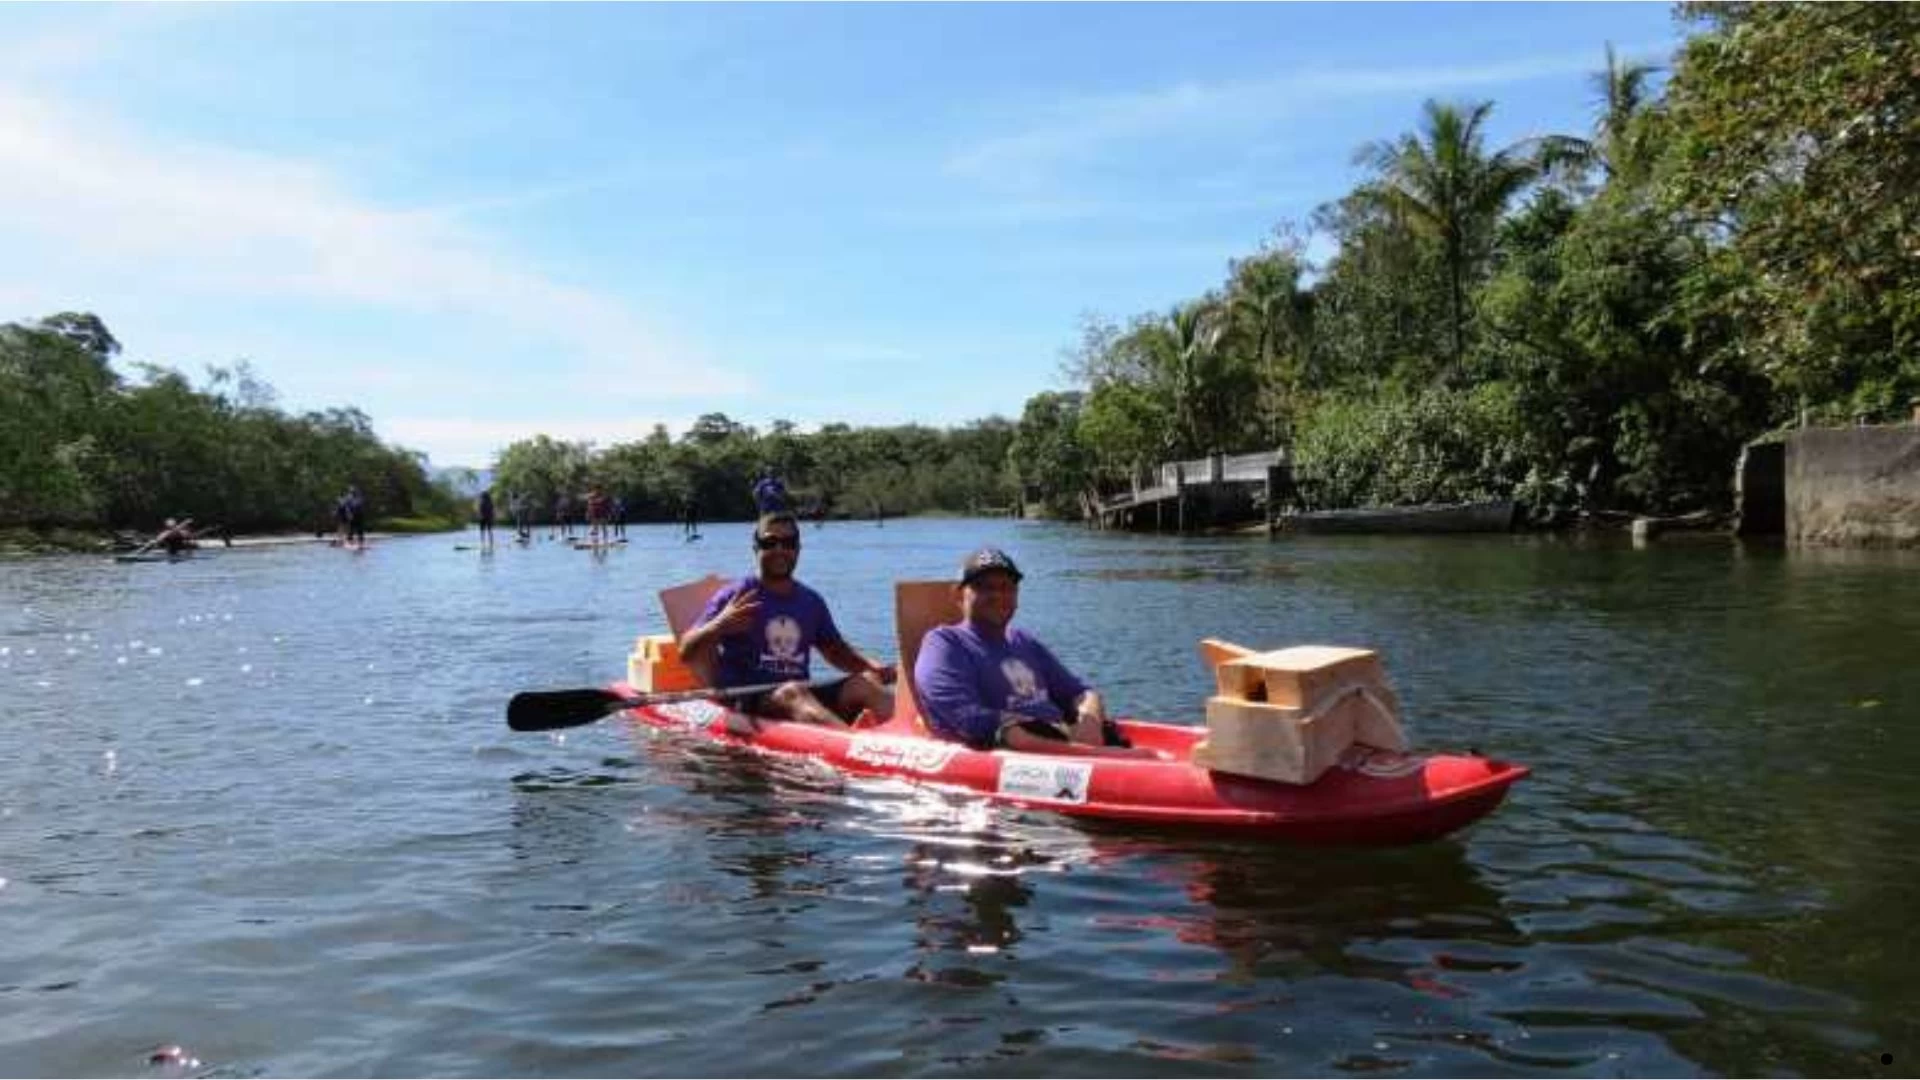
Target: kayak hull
x=160 y=557
x=1371 y=798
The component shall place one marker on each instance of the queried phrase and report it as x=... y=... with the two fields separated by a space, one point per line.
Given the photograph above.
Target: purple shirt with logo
x=784 y=633
x=967 y=681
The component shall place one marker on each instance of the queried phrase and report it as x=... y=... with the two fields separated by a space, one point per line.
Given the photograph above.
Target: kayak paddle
x=551 y=710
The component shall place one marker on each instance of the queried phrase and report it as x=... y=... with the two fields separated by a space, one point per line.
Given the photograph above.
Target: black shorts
x=827 y=693
x=1047 y=729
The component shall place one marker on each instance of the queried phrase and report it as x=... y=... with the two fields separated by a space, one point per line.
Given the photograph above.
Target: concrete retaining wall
x=1854 y=486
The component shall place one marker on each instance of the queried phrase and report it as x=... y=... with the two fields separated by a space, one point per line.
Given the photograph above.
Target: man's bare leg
x=796 y=702
x=864 y=693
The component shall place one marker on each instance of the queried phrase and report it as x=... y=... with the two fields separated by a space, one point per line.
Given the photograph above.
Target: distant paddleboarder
x=517 y=504
x=355 y=506
x=769 y=493
x=597 y=530
x=485 y=508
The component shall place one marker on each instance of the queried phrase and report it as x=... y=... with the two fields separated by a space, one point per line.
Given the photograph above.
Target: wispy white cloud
x=79 y=194
x=456 y=441
x=84 y=36
x=1079 y=127
x=1220 y=193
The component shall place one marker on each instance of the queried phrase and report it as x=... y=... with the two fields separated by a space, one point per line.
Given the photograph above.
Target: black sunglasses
x=770 y=543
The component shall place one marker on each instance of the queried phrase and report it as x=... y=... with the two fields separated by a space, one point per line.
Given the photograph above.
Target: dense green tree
x=1795 y=144
x=1445 y=184
x=1046 y=453
x=81 y=446
x=1380 y=307
x=1270 y=323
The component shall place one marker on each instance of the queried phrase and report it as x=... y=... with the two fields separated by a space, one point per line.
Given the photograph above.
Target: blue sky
x=482 y=222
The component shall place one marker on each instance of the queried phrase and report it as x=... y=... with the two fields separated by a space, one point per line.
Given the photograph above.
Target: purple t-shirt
x=966 y=680
x=784 y=634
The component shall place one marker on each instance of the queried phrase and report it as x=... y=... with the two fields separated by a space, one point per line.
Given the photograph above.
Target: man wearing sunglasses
x=761 y=629
x=985 y=683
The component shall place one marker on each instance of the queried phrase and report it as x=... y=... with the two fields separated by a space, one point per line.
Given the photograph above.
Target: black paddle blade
x=550 y=710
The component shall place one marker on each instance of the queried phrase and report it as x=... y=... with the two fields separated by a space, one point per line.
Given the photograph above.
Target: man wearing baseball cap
x=986 y=684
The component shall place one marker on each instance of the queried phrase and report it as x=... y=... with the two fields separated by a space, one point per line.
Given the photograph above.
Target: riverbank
x=26 y=540
x=1699 y=524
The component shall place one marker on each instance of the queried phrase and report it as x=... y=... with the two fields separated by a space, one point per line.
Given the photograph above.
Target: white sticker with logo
x=694 y=714
x=911 y=755
x=1040 y=778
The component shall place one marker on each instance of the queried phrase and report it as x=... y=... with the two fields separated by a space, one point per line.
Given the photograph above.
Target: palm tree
x=1443 y=183
x=1276 y=313
x=1623 y=92
x=1616 y=147
x=1185 y=347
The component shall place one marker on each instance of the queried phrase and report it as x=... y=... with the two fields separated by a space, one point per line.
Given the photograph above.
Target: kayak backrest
x=918 y=606
x=683 y=603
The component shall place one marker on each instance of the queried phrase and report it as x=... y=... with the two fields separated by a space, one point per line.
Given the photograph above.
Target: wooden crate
x=1272 y=742
x=1290 y=714
x=1297 y=677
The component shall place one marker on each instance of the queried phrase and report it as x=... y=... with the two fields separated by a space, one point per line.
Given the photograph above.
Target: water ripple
x=263 y=811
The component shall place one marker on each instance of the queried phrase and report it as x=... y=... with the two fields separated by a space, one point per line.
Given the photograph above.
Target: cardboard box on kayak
x=1290 y=714
x=655 y=665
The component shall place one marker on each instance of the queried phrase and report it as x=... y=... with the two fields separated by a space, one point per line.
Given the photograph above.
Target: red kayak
x=1372 y=797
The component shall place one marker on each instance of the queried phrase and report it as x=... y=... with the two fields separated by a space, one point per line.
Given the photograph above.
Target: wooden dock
x=1180 y=496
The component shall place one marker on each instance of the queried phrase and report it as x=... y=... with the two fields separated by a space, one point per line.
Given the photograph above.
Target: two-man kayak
x=1372 y=797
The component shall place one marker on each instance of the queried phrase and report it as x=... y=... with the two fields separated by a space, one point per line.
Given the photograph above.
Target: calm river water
x=266 y=808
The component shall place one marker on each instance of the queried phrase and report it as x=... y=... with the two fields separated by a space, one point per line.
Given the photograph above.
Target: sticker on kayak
x=693 y=713
x=1063 y=781
x=1382 y=764
x=912 y=755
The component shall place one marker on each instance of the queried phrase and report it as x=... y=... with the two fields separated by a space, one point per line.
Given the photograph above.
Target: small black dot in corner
x=1886 y=1059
